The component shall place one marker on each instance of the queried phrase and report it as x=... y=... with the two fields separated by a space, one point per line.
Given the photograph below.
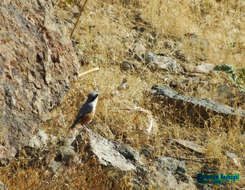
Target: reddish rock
x=37 y=66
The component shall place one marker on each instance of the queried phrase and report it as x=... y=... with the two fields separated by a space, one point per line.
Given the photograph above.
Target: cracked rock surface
x=37 y=66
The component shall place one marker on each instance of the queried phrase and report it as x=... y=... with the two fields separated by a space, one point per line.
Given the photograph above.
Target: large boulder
x=37 y=66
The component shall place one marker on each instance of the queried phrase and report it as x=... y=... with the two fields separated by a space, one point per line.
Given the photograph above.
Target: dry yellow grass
x=105 y=35
x=220 y=22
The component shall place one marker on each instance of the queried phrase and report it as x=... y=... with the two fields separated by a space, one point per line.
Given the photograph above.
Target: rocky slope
x=164 y=113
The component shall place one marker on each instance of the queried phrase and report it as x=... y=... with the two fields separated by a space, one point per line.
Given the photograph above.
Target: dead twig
x=80 y=13
x=89 y=71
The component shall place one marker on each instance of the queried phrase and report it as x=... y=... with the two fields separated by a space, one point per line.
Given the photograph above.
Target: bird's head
x=92 y=96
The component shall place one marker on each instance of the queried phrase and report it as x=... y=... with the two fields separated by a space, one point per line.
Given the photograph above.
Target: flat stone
x=162 y=62
x=112 y=153
x=206 y=104
x=204 y=68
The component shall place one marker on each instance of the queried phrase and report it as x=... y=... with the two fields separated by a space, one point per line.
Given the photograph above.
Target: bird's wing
x=86 y=108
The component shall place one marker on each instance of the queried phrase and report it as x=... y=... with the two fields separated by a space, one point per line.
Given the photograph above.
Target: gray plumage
x=86 y=108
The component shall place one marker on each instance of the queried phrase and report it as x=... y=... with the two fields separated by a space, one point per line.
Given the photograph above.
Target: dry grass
x=105 y=36
x=219 y=22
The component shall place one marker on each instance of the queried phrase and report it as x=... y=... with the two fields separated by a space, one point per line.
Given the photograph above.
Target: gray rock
x=139 y=29
x=67 y=154
x=139 y=50
x=112 y=153
x=64 y=157
x=171 y=164
x=204 y=105
x=124 y=85
x=128 y=152
x=55 y=166
x=204 y=68
x=149 y=57
x=147 y=153
x=39 y=140
x=5 y=155
x=162 y=62
x=127 y=66
x=38 y=64
x=172 y=174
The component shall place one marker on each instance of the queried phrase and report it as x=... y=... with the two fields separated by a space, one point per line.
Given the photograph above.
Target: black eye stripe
x=94 y=97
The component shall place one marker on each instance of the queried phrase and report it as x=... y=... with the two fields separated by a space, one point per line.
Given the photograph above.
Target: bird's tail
x=73 y=125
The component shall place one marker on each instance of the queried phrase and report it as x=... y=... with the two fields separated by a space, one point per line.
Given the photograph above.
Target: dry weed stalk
x=80 y=13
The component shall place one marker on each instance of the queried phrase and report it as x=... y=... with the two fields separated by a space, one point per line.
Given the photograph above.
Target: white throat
x=94 y=103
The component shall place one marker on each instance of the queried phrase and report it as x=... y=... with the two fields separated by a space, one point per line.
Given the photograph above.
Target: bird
x=87 y=111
